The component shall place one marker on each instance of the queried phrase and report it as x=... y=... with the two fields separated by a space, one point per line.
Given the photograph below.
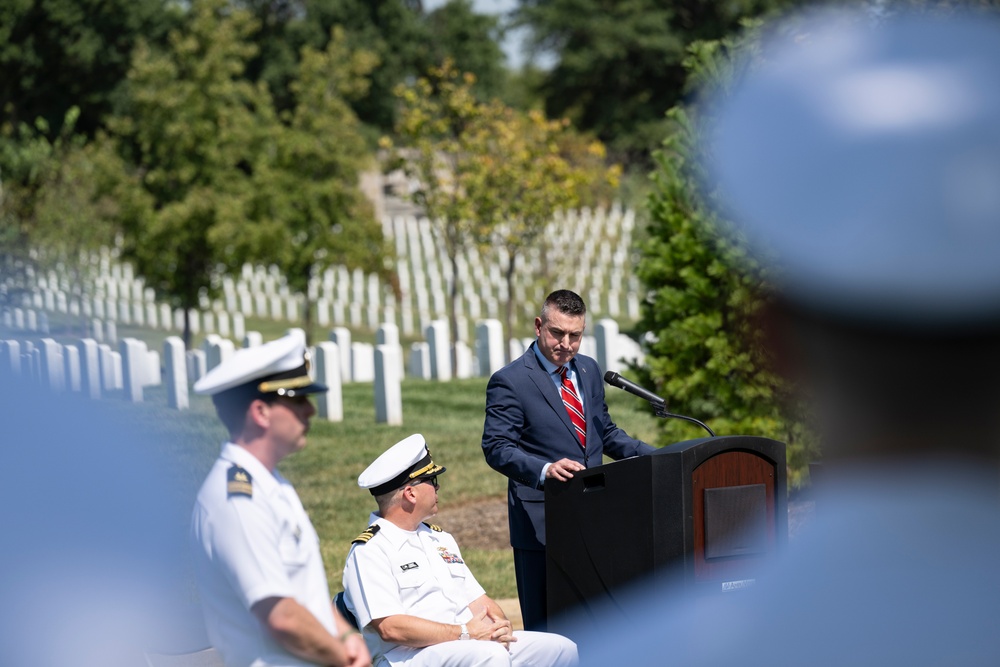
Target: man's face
x=290 y=421
x=426 y=491
x=559 y=335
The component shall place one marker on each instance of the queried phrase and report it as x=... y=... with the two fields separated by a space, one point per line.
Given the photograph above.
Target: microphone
x=616 y=380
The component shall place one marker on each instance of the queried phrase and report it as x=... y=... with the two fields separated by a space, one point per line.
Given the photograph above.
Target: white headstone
x=194 y=321
x=463 y=360
x=420 y=361
x=329 y=406
x=135 y=360
x=152 y=315
x=342 y=337
x=362 y=362
x=53 y=377
x=239 y=326
x=97 y=330
x=139 y=314
x=437 y=338
x=217 y=350
x=71 y=367
x=222 y=324
x=111 y=333
x=388 y=395
x=608 y=352
x=515 y=348
x=154 y=372
x=323 y=312
x=489 y=346
x=196 y=366
x=90 y=368
x=253 y=339
x=176 y=368
x=10 y=359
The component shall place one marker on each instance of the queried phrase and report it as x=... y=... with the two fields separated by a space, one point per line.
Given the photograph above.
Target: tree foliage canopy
x=59 y=54
x=490 y=176
x=705 y=299
x=619 y=64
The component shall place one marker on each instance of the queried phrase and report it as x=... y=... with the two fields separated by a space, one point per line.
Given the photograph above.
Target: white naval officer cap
x=279 y=367
x=407 y=460
x=858 y=157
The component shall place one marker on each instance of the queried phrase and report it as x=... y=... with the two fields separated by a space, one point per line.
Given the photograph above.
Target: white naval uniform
x=422 y=573
x=251 y=548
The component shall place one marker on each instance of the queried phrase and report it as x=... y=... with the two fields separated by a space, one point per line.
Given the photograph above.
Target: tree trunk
x=509 y=315
x=453 y=308
x=307 y=318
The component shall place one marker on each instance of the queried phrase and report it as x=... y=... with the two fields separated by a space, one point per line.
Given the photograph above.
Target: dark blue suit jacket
x=527 y=426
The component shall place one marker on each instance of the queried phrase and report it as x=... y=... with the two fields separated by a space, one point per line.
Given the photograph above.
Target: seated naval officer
x=409 y=588
x=257 y=559
x=860 y=157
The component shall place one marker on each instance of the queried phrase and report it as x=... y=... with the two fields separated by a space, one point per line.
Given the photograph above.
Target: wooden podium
x=702 y=514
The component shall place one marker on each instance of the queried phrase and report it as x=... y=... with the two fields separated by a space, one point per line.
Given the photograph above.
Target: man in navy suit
x=530 y=435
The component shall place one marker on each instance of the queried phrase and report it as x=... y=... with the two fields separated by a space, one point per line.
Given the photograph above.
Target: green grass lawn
x=448 y=414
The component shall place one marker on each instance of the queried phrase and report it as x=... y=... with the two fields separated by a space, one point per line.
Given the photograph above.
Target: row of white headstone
x=595 y=259
x=97 y=369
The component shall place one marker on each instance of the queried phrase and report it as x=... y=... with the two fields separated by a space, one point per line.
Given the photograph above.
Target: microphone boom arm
x=661 y=411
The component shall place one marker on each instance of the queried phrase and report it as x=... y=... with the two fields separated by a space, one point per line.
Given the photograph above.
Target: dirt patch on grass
x=481 y=524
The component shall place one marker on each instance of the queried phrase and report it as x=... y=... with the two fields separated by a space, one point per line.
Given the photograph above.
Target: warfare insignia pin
x=239 y=482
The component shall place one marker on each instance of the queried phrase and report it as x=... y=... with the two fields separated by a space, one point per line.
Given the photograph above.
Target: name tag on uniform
x=408 y=566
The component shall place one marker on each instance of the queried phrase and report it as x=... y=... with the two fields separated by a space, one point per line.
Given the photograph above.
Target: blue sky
x=512 y=46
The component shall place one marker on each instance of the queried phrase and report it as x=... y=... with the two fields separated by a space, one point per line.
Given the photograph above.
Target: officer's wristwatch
x=465 y=632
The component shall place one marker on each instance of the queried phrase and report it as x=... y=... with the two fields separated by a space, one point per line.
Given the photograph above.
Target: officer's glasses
x=433 y=481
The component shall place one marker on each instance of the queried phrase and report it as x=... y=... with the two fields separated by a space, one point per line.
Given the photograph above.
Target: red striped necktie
x=574 y=407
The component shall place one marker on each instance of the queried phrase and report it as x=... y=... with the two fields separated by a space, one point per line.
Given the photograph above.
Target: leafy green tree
x=307 y=209
x=525 y=168
x=471 y=41
x=488 y=175
x=58 y=54
x=705 y=300
x=196 y=130
x=435 y=117
x=58 y=196
x=391 y=29
x=619 y=64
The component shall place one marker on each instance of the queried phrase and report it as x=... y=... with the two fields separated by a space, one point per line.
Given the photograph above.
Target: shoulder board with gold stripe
x=434 y=526
x=368 y=534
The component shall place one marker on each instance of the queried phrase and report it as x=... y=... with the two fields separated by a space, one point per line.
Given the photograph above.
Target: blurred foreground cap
x=407 y=460
x=278 y=367
x=862 y=155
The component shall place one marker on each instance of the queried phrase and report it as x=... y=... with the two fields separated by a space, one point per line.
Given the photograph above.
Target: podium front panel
x=666 y=516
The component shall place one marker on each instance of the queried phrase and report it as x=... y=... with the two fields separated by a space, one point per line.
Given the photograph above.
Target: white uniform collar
x=397 y=536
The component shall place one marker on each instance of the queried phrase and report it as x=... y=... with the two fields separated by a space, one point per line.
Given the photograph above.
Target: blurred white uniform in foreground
x=860 y=160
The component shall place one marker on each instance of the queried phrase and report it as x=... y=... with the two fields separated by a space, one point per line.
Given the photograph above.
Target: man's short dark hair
x=231 y=406
x=566 y=302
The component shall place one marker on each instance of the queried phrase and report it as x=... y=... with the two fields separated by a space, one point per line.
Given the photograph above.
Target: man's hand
x=484 y=628
x=357 y=651
x=563 y=469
